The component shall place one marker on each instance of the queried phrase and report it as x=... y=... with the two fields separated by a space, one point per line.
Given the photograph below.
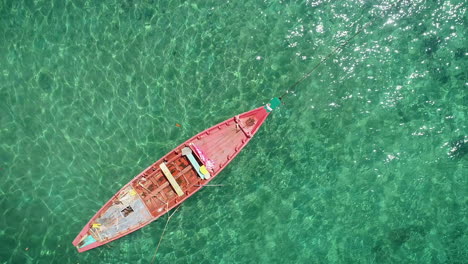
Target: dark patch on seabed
x=45 y=81
x=459 y=148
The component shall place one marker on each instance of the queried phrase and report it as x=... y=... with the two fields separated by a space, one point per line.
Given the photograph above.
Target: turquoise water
x=366 y=162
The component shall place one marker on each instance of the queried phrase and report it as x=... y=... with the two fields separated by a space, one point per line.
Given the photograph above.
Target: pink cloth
x=208 y=163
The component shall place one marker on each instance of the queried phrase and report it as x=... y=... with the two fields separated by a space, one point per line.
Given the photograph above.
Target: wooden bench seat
x=171 y=179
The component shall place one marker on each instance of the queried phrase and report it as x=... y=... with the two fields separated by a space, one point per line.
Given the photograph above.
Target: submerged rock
x=459 y=148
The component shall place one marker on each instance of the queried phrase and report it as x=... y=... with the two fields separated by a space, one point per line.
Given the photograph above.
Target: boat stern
x=85 y=240
x=124 y=213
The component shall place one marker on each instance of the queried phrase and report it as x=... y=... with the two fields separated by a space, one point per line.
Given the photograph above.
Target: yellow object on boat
x=96 y=225
x=204 y=170
x=133 y=192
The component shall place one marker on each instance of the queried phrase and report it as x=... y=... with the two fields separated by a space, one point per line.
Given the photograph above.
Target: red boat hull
x=171 y=180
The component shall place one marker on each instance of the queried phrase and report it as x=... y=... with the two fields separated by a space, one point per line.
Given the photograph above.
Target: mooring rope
x=292 y=88
x=162 y=235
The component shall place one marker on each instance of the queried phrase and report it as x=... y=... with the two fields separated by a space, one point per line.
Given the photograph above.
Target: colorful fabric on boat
x=208 y=162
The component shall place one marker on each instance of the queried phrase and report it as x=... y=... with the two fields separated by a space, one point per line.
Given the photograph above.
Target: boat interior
x=148 y=196
x=124 y=212
x=161 y=185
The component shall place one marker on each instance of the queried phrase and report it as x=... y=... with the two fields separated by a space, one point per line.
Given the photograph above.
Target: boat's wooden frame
x=171 y=180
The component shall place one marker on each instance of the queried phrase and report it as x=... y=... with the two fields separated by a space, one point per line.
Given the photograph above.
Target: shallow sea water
x=366 y=162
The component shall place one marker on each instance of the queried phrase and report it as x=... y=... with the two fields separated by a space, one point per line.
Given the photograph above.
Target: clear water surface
x=367 y=161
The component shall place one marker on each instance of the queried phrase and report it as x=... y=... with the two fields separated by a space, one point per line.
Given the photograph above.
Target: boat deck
x=157 y=192
x=126 y=212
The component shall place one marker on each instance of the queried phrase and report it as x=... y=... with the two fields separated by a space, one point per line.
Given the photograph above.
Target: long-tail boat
x=171 y=180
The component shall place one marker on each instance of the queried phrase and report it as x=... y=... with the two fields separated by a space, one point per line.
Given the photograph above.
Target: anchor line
x=307 y=75
x=333 y=52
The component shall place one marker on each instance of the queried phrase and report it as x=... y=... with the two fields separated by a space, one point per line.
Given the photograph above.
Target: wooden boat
x=172 y=179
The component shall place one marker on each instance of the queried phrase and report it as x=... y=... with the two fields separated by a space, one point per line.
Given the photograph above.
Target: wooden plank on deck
x=171 y=179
